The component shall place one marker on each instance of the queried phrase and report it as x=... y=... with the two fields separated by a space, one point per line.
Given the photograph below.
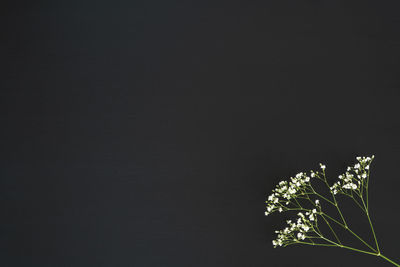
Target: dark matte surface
x=148 y=133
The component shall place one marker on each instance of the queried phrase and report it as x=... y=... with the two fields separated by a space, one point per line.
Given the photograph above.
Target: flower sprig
x=298 y=194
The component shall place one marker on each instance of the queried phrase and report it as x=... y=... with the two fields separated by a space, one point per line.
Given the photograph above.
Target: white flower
x=301 y=236
x=286 y=193
x=270 y=208
x=276 y=243
x=350 y=186
x=334 y=188
x=295 y=230
x=287 y=190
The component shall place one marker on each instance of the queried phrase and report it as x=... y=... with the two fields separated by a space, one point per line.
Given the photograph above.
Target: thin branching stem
x=305 y=230
x=370 y=223
x=348 y=229
x=330 y=227
x=334 y=199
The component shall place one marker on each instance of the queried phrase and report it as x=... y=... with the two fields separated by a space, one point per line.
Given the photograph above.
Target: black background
x=149 y=133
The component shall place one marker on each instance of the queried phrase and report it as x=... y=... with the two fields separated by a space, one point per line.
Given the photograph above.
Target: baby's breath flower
x=353 y=178
x=335 y=188
x=285 y=191
x=297 y=191
x=350 y=186
x=301 y=236
x=295 y=231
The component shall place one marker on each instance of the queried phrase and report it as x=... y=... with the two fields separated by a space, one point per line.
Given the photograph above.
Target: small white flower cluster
x=299 y=188
x=296 y=231
x=353 y=178
x=285 y=191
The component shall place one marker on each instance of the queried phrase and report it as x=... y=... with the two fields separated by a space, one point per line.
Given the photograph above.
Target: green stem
x=358 y=204
x=324 y=198
x=339 y=223
x=316 y=193
x=341 y=215
x=359 y=250
x=334 y=199
x=344 y=221
x=348 y=229
x=299 y=209
x=347 y=247
x=298 y=204
x=373 y=232
x=337 y=238
x=315 y=244
x=362 y=240
x=334 y=244
x=389 y=260
x=370 y=223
